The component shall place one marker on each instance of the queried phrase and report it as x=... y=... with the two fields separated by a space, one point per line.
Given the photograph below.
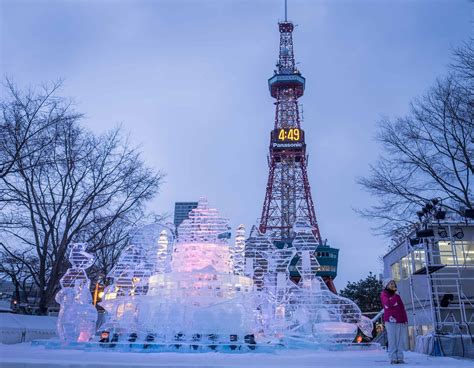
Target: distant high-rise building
x=181 y=211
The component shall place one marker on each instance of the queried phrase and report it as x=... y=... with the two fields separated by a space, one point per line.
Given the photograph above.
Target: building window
x=463 y=250
x=446 y=253
x=326 y=254
x=466 y=248
x=419 y=259
x=405 y=262
x=323 y=254
x=396 y=271
x=326 y=268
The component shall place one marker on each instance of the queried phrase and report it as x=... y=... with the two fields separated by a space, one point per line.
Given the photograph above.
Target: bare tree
x=73 y=188
x=427 y=154
x=23 y=117
x=463 y=64
x=108 y=242
x=15 y=269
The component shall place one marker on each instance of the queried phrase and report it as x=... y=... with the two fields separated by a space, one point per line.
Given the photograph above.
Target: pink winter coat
x=394 y=310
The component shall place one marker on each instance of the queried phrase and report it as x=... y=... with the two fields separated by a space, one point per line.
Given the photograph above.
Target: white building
x=434 y=270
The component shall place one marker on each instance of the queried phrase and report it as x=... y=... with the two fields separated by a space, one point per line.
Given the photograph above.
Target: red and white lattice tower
x=288 y=195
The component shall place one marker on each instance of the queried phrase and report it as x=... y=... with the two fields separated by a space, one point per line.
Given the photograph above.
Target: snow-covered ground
x=26 y=355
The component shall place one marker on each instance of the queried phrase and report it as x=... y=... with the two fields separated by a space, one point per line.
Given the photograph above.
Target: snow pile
x=15 y=328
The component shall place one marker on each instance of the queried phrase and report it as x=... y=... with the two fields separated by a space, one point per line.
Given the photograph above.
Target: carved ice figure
x=77 y=316
x=238 y=251
x=155 y=241
x=333 y=318
x=302 y=307
x=162 y=254
x=366 y=326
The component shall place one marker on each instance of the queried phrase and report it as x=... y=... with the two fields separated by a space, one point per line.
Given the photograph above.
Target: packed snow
x=26 y=356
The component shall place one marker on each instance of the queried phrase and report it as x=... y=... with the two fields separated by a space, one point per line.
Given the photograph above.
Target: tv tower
x=288 y=195
x=288 y=202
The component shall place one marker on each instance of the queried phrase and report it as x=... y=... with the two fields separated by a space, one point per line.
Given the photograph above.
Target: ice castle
x=199 y=291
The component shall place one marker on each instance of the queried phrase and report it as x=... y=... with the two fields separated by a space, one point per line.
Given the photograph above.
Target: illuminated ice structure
x=191 y=292
x=201 y=292
x=306 y=313
x=77 y=316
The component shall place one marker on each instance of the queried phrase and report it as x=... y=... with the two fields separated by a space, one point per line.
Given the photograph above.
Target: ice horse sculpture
x=77 y=316
x=189 y=291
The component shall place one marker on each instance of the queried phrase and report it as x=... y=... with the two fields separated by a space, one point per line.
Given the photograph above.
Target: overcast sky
x=188 y=81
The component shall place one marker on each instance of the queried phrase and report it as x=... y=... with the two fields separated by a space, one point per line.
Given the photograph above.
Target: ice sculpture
x=198 y=299
x=202 y=291
x=305 y=311
x=366 y=326
x=77 y=316
x=148 y=252
x=238 y=251
x=156 y=241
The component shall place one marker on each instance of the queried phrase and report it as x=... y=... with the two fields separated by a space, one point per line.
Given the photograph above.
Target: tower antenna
x=286 y=11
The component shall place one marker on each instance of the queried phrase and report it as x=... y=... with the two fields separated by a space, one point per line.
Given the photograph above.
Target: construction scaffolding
x=445 y=262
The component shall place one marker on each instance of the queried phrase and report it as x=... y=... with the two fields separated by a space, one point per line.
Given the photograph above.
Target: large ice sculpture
x=77 y=316
x=202 y=290
x=305 y=311
x=198 y=297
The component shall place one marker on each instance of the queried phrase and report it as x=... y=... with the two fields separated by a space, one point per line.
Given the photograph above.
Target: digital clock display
x=292 y=135
x=287 y=138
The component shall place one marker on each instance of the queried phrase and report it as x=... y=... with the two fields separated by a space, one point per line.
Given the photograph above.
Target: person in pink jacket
x=395 y=318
